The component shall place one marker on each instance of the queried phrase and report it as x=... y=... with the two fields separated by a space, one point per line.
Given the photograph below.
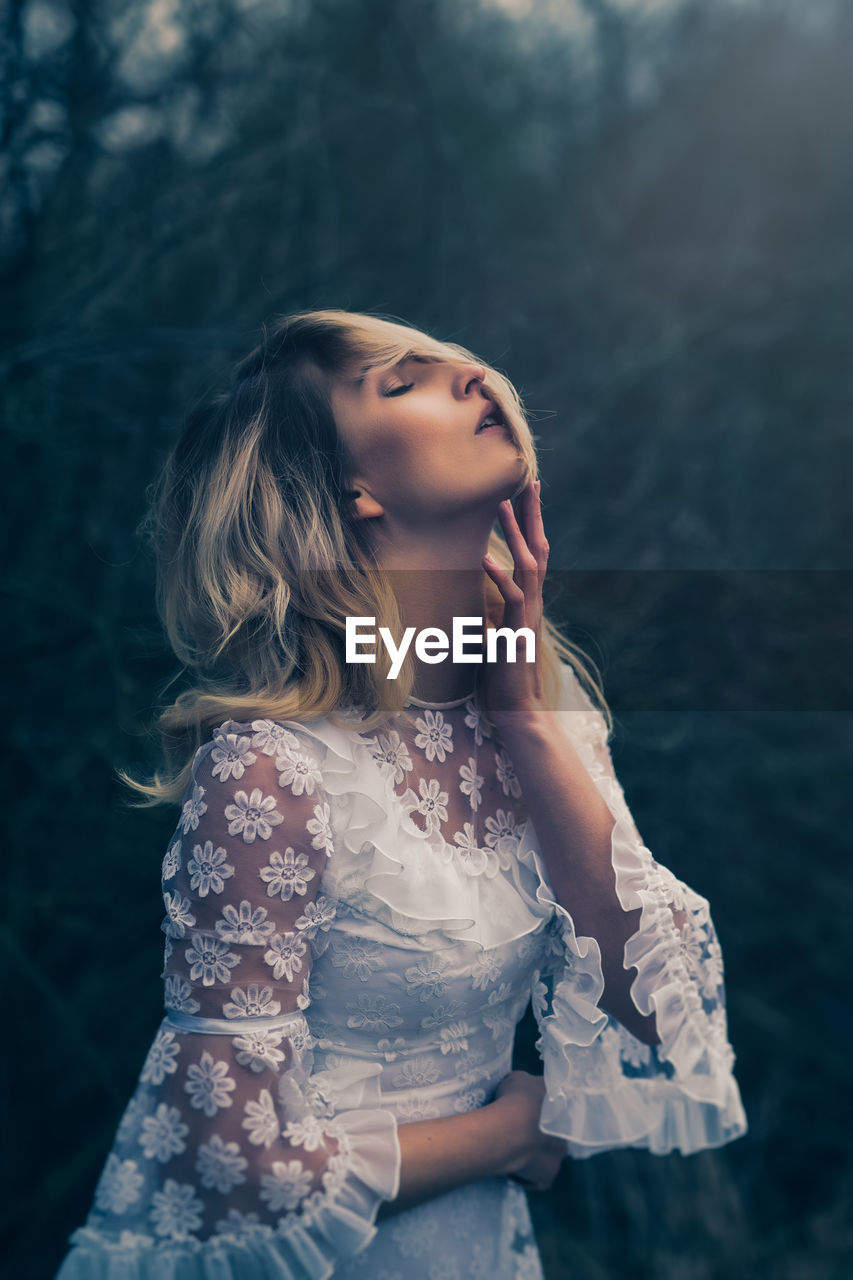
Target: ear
x=366 y=506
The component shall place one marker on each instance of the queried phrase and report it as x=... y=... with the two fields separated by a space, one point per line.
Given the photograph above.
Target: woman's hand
x=513 y=688
x=536 y=1160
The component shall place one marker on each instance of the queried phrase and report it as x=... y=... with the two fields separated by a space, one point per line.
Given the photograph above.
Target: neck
x=440 y=579
x=433 y=598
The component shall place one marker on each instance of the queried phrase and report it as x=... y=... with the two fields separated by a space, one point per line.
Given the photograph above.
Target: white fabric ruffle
x=693 y=1101
x=387 y=859
x=307 y=1246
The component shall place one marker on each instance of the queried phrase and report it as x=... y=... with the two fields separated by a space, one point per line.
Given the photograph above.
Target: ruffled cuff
x=604 y=1087
x=334 y=1224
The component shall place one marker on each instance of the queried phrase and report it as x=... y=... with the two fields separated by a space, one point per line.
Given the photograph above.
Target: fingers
x=509 y=589
x=521 y=553
x=535 y=530
x=529 y=549
x=525 y=573
x=530 y=508
x=521 y=587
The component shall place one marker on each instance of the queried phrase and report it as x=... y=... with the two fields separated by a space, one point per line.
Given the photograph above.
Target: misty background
x=640 y=212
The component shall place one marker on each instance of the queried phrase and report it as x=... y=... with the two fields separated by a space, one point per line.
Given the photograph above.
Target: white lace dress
x=355 y=923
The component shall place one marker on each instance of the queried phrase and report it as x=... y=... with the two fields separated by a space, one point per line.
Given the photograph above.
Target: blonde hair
x=260 y=556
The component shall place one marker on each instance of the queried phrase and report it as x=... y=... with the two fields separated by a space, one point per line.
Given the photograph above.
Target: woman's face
x=412 y=432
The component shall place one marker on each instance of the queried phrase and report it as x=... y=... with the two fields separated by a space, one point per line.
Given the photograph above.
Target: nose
x=467 y=374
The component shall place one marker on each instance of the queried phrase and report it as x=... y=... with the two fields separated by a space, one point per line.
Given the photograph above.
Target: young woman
x=372 y=876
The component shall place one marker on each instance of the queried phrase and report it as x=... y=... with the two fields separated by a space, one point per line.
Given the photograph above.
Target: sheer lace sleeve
x=230 y=1142
x=604 y=1087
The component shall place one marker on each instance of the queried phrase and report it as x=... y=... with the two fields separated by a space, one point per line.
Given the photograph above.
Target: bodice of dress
x=355 y=923
x=392 y=990
x=436 y=1012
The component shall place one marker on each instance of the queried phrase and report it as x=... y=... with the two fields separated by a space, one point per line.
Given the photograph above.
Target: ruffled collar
x=380 y=854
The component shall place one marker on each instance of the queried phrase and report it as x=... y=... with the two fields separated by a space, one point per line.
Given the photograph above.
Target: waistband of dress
x=346 y=1049
x=230 y=1026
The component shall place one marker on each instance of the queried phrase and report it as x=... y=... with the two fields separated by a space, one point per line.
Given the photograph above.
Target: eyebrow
x=379 y=364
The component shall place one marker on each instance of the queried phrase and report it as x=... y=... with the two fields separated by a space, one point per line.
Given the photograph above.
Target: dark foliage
x=642 y=214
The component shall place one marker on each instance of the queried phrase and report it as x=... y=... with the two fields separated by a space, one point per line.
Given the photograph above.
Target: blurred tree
x=641 y=211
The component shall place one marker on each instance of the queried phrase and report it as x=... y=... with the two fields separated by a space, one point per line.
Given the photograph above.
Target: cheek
x=386 y=455
x=406 y=455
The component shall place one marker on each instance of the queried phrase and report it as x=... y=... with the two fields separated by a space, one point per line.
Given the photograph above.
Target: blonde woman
x=371 y=876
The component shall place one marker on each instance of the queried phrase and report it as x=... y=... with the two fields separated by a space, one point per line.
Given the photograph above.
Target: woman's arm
x=632 y=940
x=440 y=1155
x=574 y=827
x=502 y=1139
x=571 y=818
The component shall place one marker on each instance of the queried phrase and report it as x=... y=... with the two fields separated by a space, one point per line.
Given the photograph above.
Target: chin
x=513 y=483
x=519 y=484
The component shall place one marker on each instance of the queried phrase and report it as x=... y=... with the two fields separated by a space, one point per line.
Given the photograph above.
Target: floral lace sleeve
x=606 y=1088
x=230 y=1140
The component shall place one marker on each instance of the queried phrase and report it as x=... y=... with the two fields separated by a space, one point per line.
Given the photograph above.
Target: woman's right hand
x=536 y=1156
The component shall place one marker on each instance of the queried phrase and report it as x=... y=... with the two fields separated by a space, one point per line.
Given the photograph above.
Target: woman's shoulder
x=285 y=748
x=273 y=737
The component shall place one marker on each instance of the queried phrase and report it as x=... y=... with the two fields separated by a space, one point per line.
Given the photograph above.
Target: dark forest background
x=642 y=213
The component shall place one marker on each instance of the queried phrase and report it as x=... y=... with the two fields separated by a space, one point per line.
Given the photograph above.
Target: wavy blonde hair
x=260 y=556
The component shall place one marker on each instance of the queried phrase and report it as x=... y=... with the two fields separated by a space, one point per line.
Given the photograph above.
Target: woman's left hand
x=515 y=688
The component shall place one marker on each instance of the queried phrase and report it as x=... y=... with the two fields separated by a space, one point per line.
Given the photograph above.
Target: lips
x=490 y=410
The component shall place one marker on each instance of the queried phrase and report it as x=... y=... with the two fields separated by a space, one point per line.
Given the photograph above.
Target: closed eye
x=411 y=355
